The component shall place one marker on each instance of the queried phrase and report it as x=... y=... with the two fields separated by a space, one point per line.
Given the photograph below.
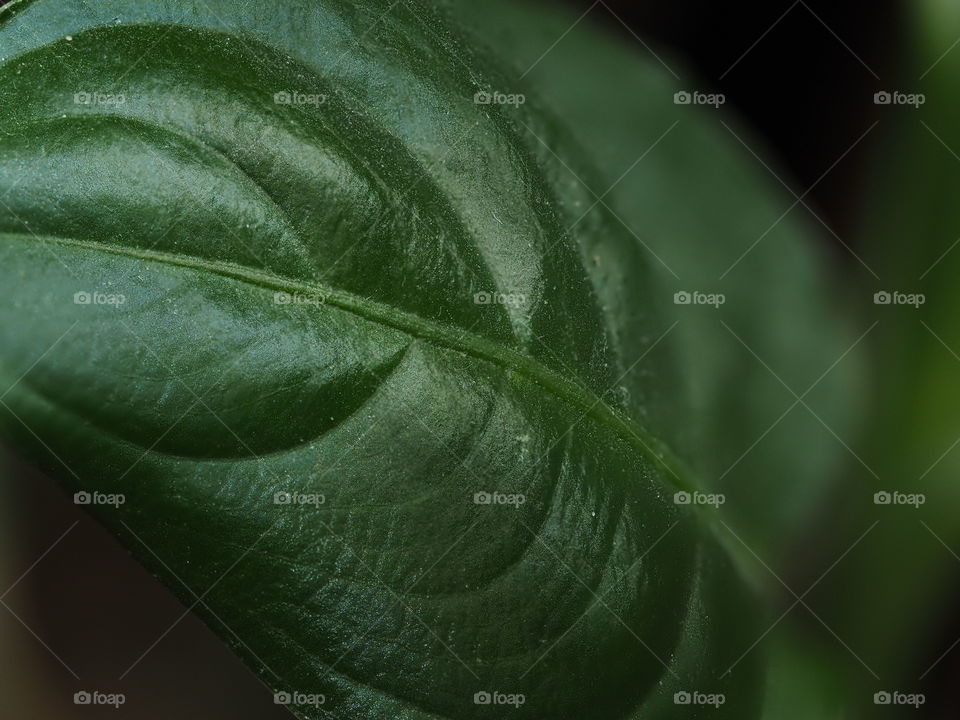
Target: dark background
x=798 y=87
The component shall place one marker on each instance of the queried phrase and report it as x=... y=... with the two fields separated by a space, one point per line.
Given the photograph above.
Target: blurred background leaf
x=898 y=603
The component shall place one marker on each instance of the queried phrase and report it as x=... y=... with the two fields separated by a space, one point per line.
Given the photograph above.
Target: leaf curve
x=370 y=299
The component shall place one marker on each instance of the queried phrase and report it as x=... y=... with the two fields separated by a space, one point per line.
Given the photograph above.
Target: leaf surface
x=283 y=284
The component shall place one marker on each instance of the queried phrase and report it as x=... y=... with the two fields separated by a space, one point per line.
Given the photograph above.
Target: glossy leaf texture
x=331 y=327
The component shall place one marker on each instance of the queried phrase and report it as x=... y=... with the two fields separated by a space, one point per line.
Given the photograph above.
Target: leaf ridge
x=653 y=449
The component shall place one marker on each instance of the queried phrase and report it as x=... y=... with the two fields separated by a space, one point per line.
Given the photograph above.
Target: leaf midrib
x=671 y=469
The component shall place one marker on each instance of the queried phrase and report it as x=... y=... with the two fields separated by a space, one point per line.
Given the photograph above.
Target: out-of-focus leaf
x=902 y=585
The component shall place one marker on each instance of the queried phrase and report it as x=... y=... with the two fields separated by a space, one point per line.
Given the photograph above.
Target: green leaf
x=280 y=284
